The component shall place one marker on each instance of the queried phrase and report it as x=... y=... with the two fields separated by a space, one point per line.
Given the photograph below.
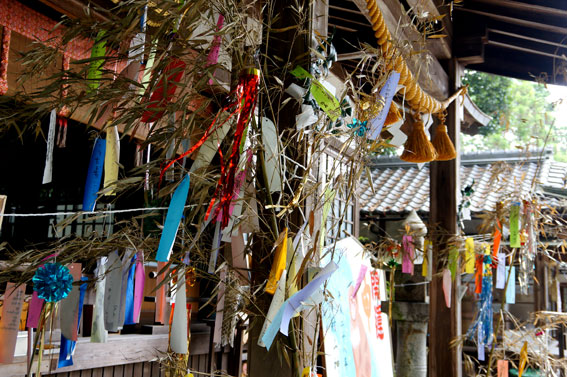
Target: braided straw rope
x=418 y=99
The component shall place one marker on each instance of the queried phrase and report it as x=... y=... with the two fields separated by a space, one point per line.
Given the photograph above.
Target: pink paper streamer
x=139 y=280
x=447 y=286
x=36 y=303
x=408 y=255
x=213 y=56
x=34 y=311
x=361 y=275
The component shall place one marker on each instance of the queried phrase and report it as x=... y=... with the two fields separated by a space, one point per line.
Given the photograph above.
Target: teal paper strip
x=172 y=220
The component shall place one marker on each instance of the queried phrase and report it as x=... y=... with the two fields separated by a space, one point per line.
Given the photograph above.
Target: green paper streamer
x=325 y=99
x=453 y=259
x=515 y=225
x=94 y=72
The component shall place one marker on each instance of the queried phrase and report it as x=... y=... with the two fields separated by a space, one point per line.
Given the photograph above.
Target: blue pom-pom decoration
x=52 y=282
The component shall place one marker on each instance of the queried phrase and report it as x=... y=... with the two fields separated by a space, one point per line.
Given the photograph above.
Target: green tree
x=521 y=113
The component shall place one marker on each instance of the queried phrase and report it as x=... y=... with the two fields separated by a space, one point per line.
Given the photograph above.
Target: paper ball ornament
x=52 y=282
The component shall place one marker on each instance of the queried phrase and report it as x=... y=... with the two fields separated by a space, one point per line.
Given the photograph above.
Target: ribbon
x=248 y=91
x=48 y=170
x=172 y=220
x=94 y=175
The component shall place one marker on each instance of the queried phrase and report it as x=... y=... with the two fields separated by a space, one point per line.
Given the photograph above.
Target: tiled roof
x=401 y=187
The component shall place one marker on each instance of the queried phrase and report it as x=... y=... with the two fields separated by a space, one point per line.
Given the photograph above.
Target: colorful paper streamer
x=172 y=220
x=94 y=175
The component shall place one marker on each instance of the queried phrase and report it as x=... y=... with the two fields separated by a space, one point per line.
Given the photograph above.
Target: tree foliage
x=520 y=111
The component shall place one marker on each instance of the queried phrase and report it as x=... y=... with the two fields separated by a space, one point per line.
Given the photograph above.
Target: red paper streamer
x=247 y=91
x=478 y=274
x=164 y=91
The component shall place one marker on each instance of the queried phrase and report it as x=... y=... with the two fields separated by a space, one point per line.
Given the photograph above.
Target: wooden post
x=444 y=176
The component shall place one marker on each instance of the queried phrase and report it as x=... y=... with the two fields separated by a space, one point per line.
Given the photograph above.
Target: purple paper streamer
x=408 y=255
x=34 y=311
x=213 y=56
x=361 y=275
x=387 y=93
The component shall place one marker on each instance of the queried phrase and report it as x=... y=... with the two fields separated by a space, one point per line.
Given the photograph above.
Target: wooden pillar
x=445 y=323
x=281 y=44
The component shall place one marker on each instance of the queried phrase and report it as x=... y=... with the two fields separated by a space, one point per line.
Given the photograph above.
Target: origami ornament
x=358 y=127
x=52 y=282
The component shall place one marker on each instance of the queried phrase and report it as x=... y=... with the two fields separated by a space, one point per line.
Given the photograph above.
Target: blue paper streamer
x=387 y=93
x=94 y=175
x=67 y=347
x=172 y=220
x=482 y=325
x=129 y=318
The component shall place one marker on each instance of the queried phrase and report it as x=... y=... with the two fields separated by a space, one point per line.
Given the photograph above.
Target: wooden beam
x=516 y=21
x=435 y=80
x=525 y=7
x=527 y=38
x=74 y=9
x=445 y=323
x=526 y=50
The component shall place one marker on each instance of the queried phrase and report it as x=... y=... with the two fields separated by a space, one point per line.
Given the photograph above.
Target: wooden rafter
x=525 y=7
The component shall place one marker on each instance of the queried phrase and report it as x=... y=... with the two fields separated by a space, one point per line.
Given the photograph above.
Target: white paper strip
x=275 y=305
x=48 y=170
x=178 y=340
x=99 y=333
x=112 y=292
x=501 y=271
x=272 y=155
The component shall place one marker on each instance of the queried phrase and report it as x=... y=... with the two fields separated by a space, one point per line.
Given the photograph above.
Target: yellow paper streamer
x=425 y=265
x=291 y=269
x=278 y=266
x=469 y=256
x=523 y=359
x=325 y=99
x=111 y=160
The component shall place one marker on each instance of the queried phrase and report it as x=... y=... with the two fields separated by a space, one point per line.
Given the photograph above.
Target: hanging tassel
x=418 y=148
x=393 y=115
x=442 y=142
